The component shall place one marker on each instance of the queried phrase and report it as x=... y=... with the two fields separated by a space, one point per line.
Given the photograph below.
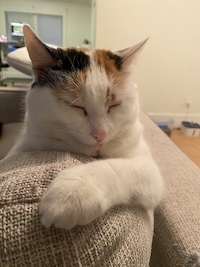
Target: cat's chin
x=92 y=146
x=91 y=143
x=95 y=145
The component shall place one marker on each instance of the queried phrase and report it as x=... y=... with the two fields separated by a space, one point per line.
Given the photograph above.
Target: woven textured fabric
x=193 y=260
x=177 y=219
x=120 y=238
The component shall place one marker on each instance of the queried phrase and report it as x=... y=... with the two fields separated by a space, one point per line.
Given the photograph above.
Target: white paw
x=71 y=200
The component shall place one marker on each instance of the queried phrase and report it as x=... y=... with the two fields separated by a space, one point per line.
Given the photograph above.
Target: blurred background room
x=167 y=71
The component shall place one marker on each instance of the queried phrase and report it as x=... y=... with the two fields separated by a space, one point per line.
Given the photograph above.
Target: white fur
x=79 y=195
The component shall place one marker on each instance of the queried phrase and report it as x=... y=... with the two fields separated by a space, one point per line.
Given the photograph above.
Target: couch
x=126 y=236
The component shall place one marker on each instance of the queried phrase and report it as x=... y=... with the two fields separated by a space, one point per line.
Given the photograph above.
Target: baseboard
x=176 y=118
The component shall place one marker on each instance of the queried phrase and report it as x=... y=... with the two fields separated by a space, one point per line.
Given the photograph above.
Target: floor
x=189 y=145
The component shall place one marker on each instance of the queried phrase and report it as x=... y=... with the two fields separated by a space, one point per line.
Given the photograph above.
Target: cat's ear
x=129 y=55
x=39 y=53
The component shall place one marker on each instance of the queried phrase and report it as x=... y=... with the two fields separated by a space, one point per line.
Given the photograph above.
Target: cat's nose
x=99 y=135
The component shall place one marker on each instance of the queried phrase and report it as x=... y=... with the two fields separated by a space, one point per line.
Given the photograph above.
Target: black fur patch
x=50 y=78
x=66 y=62
x=70 y=60
x=117 y=59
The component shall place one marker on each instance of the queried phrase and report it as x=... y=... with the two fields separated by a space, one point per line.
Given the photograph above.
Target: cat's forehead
x=82 y=65
x=80 y=73
x=82 y=59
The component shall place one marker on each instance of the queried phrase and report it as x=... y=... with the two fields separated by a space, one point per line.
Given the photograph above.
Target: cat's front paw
x=71 y=200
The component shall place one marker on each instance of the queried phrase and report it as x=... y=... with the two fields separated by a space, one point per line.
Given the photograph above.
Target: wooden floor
x=189 y=145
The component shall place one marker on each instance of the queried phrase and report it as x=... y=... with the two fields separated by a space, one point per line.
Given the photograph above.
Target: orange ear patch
x=108 y=61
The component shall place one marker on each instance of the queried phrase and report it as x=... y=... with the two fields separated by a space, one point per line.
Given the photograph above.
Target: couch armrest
x=177 y=220
x=120 y=238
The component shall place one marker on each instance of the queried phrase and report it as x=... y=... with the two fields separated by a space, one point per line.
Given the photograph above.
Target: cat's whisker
x=74 y=101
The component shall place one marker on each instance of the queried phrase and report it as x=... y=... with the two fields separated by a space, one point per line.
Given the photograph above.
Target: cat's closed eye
x=80 y=108
x=113 y=106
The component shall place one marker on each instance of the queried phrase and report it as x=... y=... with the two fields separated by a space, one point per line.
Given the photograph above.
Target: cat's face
x=82 y=92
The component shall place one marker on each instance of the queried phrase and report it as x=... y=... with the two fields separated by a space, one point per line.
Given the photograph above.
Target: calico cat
x=83 y=101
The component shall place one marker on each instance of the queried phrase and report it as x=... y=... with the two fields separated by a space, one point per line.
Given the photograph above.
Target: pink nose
x=99 y=135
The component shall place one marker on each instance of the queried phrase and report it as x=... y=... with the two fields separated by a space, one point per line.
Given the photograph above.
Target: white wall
x=169 y=67
x=76 y=17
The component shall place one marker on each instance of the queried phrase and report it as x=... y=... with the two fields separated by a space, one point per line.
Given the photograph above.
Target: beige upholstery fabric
x=177 y=220
x=120 y=238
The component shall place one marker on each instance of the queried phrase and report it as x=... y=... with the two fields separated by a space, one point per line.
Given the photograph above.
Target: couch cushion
x=177 y=220
x=20 y=60
x=120 y=238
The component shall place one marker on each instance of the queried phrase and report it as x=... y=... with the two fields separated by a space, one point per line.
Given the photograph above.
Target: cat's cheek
x=79 y=128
